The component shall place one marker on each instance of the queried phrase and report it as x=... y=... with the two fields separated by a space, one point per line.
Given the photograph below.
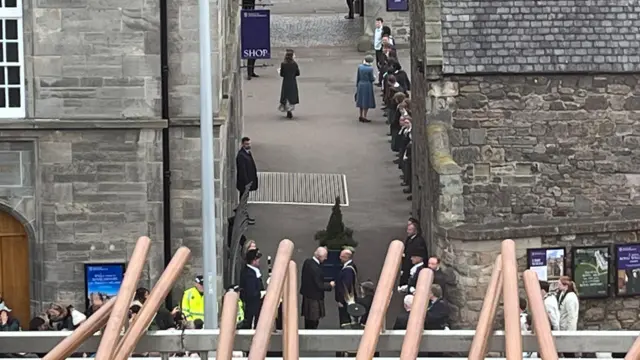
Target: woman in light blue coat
x=365 y=97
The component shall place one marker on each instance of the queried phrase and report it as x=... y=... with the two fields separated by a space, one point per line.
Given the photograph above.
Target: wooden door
x=14 y=268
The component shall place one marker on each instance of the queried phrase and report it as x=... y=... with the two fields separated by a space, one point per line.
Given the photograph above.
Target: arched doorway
x=14 y=268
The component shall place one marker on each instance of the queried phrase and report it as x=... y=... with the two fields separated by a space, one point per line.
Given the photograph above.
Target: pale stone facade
x=90 y=147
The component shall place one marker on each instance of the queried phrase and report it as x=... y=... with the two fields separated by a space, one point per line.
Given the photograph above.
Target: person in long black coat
x=312 y=289
x=247 y=172
x=251 y=289
x=346 y=287
x=413 y=244
x=289 y=96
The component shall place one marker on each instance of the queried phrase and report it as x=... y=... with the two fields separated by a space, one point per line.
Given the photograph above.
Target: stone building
x=99 y=132
x=534 y=135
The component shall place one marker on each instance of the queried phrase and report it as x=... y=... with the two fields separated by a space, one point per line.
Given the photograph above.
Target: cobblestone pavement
x=326 y=137
x=312 y=23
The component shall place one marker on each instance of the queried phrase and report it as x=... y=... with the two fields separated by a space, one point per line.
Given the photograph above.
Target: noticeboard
x=590 y=270
x=103 y=278
x=548 y=263
x=627 y=269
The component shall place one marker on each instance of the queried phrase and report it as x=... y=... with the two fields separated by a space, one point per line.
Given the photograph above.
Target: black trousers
x=311 y=324
x=406 y=171
x=344 y=317
x=251 y=63
x=350 y=6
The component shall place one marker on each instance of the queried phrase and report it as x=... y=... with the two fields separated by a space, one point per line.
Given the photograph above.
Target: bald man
x=312 y=289
x=346 y=287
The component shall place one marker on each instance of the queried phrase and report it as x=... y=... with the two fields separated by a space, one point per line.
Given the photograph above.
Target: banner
x=105 y=279
x=547 y=263
x=628 y=269
x=255 y=34
x=397 y=5
x=590 y=269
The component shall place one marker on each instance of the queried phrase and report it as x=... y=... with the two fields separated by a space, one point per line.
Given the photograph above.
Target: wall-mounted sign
x=397 y=5
x=255 y=34
x=548 y=263
x=104 y=279
x=628 y=269
x=590 y=269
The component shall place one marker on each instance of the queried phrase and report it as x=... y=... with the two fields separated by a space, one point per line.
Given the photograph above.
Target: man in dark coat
x=251 y=289
x=247 y=172
x=403 y=318
x=312 y=289
x=437 y=315
x=440 y=277
x=251 y=63
x=346 y=287
x=418 y=264
x=413 y=244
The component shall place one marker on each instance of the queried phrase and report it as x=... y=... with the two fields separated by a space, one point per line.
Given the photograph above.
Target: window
x=12 y=92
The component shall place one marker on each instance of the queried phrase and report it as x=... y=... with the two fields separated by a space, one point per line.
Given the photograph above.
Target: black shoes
x=406 y=190
x=289 y=115
x=363 y=120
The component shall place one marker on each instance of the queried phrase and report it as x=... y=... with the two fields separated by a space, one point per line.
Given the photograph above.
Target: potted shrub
x=335 y=238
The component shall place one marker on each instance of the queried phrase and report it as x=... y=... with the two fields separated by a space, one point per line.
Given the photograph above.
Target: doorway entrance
x=14 y=268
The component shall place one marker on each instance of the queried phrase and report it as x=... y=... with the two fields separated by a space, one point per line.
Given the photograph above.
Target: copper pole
x=513 y=336
x=634 y=352
x=381 y=299
x=290 y=340
x=417 y=315
x=541 y=323
x=153 y=303
x=478 y=349
x=269 y=310
x=227 y=326
x=111 y=334
x=87 y=328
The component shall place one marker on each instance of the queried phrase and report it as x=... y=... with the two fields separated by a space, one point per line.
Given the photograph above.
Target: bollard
x=541 y=324
x=153 y=303
x=227 y=326
x=269 y=310
x=480 y=342
x=381 y=299
x=291 y=348
x=513 y=335
x=118 y=317
x=417 y=316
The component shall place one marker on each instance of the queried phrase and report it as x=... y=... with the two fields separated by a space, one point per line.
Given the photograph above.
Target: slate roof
x=540 y=36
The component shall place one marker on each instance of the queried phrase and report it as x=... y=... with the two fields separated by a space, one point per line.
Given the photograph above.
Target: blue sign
x=397 y=5
x=105 y=279
x=255 y=34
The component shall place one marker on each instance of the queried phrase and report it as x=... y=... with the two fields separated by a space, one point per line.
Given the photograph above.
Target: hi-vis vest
x=193 y=304
x=240 y=315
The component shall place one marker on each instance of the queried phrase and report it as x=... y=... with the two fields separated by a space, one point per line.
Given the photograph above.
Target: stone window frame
x=11 y=12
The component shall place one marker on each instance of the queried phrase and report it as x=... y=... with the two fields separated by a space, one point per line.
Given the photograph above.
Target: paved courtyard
x=326 y=137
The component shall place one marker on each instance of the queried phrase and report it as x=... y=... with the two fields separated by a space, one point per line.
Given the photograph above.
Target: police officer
x=251 y=288
x=193 y=301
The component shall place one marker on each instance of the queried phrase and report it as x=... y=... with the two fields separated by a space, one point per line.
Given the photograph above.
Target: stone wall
x=542 y=147
x=470 y=250
x=96 y=193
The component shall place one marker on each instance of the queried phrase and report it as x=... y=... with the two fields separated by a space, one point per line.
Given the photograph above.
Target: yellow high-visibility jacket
x=240 y=315
x=193 y=304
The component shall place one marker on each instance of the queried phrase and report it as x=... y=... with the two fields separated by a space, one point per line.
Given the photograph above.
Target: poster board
x=627 y=269
x=590 y=267
x=103 y=278
x=548 y=263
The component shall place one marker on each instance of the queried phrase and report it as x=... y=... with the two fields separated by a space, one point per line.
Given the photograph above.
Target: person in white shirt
x=550 y=305
x=377 y=42
x=569 y=305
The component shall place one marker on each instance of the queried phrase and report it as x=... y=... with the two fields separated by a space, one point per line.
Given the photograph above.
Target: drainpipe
x=166 y=152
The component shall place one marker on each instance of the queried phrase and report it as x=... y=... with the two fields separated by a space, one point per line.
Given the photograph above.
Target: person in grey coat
x=365 y=97
x=289 y=71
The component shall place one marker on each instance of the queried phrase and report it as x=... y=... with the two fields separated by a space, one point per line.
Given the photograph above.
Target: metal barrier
x=234 y=251
x=172 y=341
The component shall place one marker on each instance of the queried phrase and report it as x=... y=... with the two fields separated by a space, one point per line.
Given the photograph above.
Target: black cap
x=253 y=255
x=199 y=279
x=416 y=252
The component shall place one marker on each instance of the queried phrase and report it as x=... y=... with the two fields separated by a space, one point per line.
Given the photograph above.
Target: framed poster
x=590 y=270
x=628 y=269
x=103 y=278
x=397 y=5
x=548 y=263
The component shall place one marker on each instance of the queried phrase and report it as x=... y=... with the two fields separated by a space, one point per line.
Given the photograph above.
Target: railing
x=172 y=341
x=240 y=226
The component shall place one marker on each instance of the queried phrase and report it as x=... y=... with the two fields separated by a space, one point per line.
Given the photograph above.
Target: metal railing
x=173 y=341
x=240 y=226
